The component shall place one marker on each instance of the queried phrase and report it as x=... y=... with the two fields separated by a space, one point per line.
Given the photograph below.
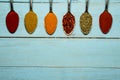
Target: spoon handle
x=11 y=4
x=87 y=4
x=106 y=5
x=51 y=1
x=31 y=5
x=69 y=5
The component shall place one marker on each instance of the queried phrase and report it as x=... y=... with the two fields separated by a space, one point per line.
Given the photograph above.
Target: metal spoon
x=68 y=21
x=30 y=20
x=12 y=19
x=50 y=21
x=86 y=21
x=105 y=20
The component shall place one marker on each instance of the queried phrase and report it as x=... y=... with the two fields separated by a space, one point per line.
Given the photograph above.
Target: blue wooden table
x=59 y=57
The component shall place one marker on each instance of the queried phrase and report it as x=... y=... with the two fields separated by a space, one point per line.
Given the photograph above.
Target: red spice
x=12 y=21
x=105 y=22
x=68 y=23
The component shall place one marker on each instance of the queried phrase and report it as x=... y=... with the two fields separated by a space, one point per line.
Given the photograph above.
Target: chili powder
x=105 y=22
x=68 y=23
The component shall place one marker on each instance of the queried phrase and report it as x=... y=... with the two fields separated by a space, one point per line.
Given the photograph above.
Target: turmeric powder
x=30 y=22
x=50 y=23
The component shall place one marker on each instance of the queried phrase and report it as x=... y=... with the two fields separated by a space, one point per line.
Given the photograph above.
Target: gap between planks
x=34 y=2
x=43 y=2
x=70 y=67
x=37 y=37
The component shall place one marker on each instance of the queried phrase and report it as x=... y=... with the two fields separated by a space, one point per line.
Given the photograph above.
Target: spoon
x=12 y=19
x=105 y=20
x=50 y=21
x=68 y=21
x=30 y=20
x=86 y=21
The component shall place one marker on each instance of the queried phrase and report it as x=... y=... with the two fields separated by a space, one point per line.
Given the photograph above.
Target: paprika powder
x=105 y=20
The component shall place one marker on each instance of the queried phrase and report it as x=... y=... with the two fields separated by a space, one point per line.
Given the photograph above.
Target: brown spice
x=68 y=23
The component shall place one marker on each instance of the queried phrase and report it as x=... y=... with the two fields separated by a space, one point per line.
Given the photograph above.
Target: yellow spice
x=30 y=22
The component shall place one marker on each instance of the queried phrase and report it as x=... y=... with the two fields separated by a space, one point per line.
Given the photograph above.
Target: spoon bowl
x=50 y=23
x=12 y=20
x=86 y=21
x=30 y=20
x=105 y=20
x=68 y=21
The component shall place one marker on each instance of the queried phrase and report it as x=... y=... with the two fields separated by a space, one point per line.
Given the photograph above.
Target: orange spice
x=50 y=23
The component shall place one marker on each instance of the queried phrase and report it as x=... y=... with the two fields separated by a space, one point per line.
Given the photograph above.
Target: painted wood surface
x=43 y=57
x=59 y=74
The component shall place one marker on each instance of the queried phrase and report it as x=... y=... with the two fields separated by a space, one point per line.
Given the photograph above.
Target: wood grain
x=43 y=57
x=36 y=73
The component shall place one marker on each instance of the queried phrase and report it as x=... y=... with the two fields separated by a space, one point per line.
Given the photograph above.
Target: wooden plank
x=58 y=1
x=60 y=52
x=36 y=73
x=65 y=53
x=58 y=57
x=77 y=9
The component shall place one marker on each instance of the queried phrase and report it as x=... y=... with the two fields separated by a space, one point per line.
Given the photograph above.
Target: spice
x=50 y=23
x=12 y=21
x=68 y=23
x=85 y=23
x=105 y=22
x=30 y=22
x=86 y=20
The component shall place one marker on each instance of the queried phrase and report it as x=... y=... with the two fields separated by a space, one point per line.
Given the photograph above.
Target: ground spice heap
x=86 y=23
x=68 y=23
x=50 y=23
x=12 y=21
x=105 y=22
x=30 y=22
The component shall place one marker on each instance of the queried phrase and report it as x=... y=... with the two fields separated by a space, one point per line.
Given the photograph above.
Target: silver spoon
x=68 y=21
x=12 y=19
x=50 y=21
x=86 y=20
x=30 y=20
x=105 y=20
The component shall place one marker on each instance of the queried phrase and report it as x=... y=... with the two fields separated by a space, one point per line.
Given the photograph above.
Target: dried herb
x=86 y=21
